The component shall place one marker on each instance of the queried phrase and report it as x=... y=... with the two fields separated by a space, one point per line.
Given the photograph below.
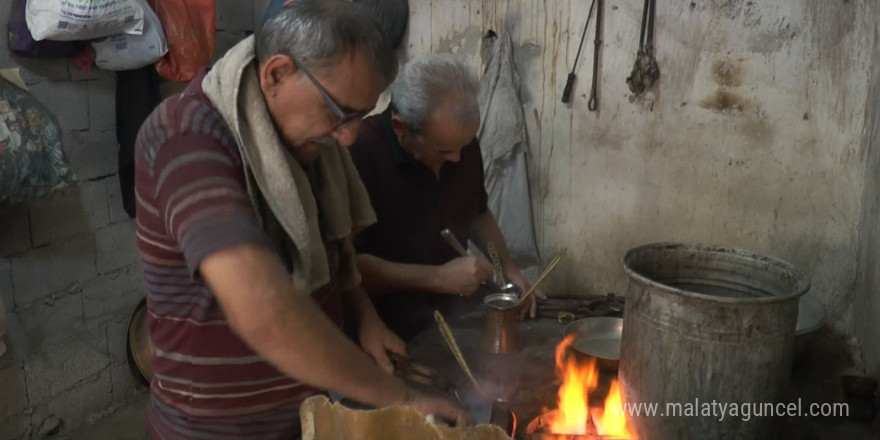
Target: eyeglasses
x=344 y=117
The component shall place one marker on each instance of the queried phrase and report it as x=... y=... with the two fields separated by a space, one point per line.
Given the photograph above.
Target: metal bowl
x=598 y=338
x=810 y=318
x=139 y=347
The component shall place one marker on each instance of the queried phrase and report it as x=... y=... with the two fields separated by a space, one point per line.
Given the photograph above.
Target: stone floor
x=126 y=423
x=815 y=378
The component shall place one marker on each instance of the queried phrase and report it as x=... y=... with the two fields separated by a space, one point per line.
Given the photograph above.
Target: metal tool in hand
x=450 y=238
x=496 y=264
x=411 y=371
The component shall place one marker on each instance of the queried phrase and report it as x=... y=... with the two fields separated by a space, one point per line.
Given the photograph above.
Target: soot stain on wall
x=728 y=72
x=725 y=101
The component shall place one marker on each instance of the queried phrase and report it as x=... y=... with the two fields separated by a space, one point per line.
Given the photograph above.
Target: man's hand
x=377 y=340
x=439 y=407
x=463 y=275
x=531 y=306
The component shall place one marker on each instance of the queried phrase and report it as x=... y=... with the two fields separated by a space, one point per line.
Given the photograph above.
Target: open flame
x=573 y=415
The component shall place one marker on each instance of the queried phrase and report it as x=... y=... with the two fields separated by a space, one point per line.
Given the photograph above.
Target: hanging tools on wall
x=593 y=103
x=645 y=71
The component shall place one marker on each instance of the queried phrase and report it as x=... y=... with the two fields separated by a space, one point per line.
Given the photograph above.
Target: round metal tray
x=138 y=347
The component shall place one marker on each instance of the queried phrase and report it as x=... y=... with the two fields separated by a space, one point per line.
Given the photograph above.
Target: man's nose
x=347 y=134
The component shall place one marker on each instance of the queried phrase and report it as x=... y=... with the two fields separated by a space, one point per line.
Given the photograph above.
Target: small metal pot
x=598 y=338
x=501 y=331
x=486 y=410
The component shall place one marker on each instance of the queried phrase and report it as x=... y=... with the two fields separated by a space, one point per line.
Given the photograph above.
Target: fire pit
x=539 y=429
x=574 y=417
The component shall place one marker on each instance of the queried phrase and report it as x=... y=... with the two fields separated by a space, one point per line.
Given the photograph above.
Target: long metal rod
x=569 y=83
x=593 y=104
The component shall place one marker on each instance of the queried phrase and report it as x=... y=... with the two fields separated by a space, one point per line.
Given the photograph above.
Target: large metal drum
x=706 y=324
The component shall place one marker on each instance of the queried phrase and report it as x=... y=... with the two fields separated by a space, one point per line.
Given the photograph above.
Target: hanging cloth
x=504 y=144
x=137 y=94
x=2 y=328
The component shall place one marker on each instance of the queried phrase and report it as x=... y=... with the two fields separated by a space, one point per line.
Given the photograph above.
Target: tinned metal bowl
x=139 y=348
x=811 y=317
x=598 y=338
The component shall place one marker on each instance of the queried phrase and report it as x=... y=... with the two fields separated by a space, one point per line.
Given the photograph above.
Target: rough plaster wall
x=70 y=275
x=751 y=139
x=867 y=310
x=259 y=9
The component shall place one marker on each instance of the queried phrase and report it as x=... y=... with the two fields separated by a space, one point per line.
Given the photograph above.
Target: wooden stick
x=544 y=274
x=453 y=346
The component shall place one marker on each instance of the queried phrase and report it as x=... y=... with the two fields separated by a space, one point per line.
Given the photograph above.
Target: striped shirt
x=192 y=201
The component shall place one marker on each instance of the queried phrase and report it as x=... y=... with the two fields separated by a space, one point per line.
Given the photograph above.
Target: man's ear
x=400 y=128
x=275 y=71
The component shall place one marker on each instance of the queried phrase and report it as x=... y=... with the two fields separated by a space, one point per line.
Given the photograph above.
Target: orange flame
x=573 y=413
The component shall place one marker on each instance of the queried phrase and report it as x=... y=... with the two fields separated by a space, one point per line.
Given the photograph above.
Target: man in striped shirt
x=238 y=346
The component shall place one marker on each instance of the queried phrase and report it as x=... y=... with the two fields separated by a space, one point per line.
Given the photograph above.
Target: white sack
x=128 y=52
x=73 y=20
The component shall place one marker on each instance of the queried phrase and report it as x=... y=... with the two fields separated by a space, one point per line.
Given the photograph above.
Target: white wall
x=867 y=306
x=752 y=138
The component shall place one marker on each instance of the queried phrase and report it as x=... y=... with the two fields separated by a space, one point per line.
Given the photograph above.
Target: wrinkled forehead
x=350 y=82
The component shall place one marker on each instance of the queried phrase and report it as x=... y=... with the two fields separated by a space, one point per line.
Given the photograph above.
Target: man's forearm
x=361 y=304
x=289 y=330
x=381 y=276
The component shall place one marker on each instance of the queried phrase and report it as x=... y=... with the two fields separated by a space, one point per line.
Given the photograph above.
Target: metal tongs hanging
x=593 y=103
x=645 y=71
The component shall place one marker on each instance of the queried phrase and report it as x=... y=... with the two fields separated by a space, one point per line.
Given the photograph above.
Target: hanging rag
x=2 y=328
x=504 y=144
x=280 y=189
x=645 y=71
x=137 y=94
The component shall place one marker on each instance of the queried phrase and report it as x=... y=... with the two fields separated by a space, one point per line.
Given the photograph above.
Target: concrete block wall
x=70 y=275
x=70 y=279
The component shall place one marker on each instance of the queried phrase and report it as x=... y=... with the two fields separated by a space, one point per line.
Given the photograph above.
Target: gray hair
x=426 y=82
x=315 y=33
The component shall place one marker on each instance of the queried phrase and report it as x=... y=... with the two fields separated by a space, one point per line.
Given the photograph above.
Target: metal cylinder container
x=705 y=326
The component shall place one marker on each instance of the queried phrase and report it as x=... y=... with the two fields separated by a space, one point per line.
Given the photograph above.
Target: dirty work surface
x=529 y=377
